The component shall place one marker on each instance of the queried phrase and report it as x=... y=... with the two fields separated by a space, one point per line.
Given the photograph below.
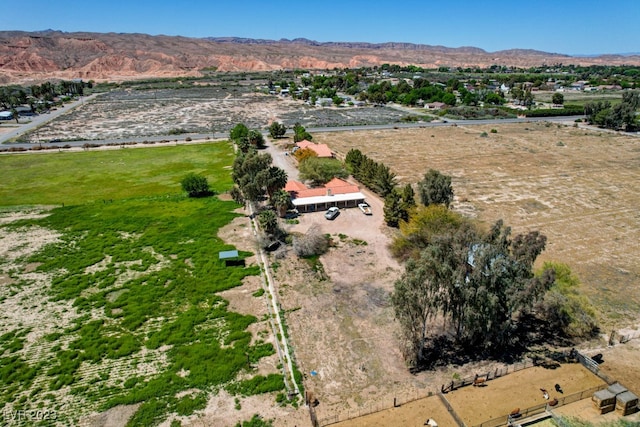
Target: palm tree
x=281 y=200
x=268 y=221
x=276 y=180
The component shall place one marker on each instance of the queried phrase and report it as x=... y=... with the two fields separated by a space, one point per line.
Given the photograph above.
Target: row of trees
x=621 y=116
x=39 y=96
x=256 y=179
x=434 y=188
x=406 y=94
x=375 y=176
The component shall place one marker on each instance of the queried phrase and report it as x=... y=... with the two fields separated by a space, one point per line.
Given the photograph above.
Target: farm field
x=577 y=186
x=114 y=302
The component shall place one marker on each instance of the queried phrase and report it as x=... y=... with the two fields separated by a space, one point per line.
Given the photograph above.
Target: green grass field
x=73 y=178
x=130 y=297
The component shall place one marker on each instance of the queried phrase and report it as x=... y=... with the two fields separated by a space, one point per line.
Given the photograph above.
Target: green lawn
x=72 y=178
x=137 y=279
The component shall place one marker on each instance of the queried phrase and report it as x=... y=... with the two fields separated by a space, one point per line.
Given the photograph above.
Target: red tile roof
x=322 y=150
x=336 y=186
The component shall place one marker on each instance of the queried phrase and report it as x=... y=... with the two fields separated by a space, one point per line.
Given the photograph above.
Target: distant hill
x=36 y=56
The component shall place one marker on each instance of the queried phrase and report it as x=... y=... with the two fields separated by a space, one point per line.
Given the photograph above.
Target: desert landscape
x=41 y=55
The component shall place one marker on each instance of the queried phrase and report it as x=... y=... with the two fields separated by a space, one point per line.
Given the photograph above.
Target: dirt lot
x=476 y=405
x=134 y=113
x=519 y=390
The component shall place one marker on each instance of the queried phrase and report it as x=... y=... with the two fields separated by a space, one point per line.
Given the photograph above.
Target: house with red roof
x=322 y=150
x=336 y=192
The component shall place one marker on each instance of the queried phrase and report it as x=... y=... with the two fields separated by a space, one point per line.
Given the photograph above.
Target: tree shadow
x=532 y=337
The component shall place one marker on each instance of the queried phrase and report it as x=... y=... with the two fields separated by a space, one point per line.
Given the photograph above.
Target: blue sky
x=560 y=26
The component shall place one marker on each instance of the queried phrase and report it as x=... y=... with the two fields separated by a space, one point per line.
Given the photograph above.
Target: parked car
x=365 y=208
x=332 y=213
x=291 y=214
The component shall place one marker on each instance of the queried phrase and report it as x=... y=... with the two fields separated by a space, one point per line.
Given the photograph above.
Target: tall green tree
x=268 y=221
x=408 y=200
x=435 y=188
x=502 y=286
x=300 y=133
x=557 y=98
x=393 y=212
x=384 y=181
x=281 y=201
x=255 y=138
x=415 y=301
x=321 y=170
x=275 y=180
x=564 y=308
x=277 y=130
x=481 y=284
x=239 y=132
x=251 y=173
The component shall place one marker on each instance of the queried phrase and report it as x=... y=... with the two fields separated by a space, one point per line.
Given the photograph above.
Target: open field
x=121 y=304
x=203 y=109
x=88 y=176
x=578 y=187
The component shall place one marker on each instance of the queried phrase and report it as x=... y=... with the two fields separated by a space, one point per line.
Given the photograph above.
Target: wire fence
x=593 y=366
x=478 y=379
x=487 y=376
x=378 y=407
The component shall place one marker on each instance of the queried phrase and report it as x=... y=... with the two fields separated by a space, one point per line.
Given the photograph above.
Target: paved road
x=41 y=119
x=283 y=160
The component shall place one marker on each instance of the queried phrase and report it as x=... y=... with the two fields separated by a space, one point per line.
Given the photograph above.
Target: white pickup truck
x=365 y=208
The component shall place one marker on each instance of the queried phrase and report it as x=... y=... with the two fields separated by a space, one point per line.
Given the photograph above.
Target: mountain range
x=42 y=55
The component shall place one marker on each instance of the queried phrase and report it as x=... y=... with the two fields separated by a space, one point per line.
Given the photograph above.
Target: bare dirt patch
x=202 y=109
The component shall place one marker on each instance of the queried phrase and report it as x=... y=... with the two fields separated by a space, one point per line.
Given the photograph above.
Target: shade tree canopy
x=277 y=130
x=480 y=282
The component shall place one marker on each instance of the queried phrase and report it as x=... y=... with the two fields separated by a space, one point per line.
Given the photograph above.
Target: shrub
x=196 y=185
x=255 y=421
x=564 y=308
x=494 y=130
x=310 y=244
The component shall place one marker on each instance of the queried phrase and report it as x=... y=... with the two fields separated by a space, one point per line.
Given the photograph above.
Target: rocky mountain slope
x=35 y=56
